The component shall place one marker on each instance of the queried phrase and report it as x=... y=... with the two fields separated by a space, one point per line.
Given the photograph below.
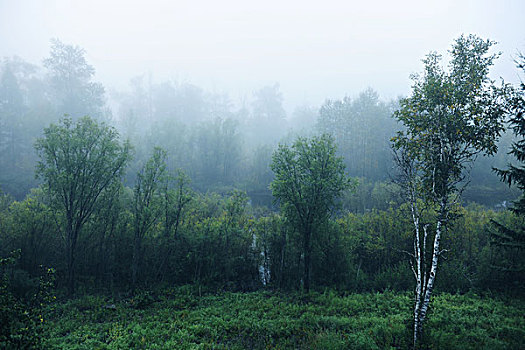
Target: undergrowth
x=178 y=319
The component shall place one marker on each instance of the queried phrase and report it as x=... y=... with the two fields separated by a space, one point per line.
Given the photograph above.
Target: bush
x=22 y=313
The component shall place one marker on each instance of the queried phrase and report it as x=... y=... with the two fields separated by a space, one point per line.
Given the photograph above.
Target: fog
x=314 y=50
x=219 y=85
x=156 y=154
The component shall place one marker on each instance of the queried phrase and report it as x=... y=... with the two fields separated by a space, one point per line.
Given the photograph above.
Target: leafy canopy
x=309 y=177
x=452 y=115
x=78 y=162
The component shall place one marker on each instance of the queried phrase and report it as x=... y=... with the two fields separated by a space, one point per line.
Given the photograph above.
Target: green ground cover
x=177 y=319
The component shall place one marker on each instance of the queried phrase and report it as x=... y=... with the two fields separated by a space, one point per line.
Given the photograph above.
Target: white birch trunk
x=417 y=273
x=424 y=279
x=435 y=255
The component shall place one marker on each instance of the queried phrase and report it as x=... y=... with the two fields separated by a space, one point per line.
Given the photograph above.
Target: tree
x=509 y=238
x=70 y=78
x=24 y=112
x=177 y=195
x=449 y=118
x=11 y=109
x=32 y=229
x=13 y=133
x=361 y=128
x=309 y=177
x=268 y=123
x=216 y=146
x=146 y=204
x=79 y=162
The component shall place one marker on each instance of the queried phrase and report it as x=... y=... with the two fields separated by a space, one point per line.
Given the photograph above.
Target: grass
x=176 y=319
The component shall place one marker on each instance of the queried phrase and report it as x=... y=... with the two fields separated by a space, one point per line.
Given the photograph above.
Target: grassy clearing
x=262 y=320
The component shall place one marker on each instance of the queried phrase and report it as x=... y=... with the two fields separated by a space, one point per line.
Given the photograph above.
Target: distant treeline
x=220 y=144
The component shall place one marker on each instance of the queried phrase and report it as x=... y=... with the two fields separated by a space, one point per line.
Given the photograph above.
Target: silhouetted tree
x=512 y=239
x=71 y=80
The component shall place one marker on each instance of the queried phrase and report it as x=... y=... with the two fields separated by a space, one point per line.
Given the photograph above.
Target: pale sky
x=314 y=49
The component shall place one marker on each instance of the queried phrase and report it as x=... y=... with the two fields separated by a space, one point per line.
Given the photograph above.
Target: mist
x=313 y=50
x=272 y=174
x=220 y=86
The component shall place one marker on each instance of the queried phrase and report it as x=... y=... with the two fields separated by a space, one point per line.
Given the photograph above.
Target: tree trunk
x=70 y=259
x=425 y=286
x=432 y=275
x=135 y=263
x=358 y=270
x=417 y=273
x=281 y=261
x=70 y=272
x=307 y=260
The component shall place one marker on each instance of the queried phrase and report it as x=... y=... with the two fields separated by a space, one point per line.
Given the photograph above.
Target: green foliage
x=80 y=158
x=507 y=238
x=370 y=195
x=209 y=152
x=451 y=116
x=472 y=322
x=262 y=320
x=79 y=163
x=221 y=251
x=509 y=241
x=516 y=174
x=374 y=242
x=147 y=203
x=32 y=230
x=362 y=128
x=309 y=178
x=23 y=316
x=222 y=243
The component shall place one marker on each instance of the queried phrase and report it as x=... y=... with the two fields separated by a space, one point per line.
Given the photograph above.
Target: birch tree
x=450 y=117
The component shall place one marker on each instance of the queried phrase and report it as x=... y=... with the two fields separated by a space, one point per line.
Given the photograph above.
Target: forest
x=168 y=216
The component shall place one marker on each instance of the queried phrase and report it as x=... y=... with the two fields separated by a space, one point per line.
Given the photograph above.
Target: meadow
x=181 y=319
